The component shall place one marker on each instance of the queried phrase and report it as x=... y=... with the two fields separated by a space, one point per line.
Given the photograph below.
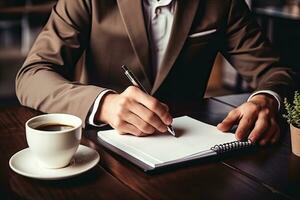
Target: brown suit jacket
x=80 y=51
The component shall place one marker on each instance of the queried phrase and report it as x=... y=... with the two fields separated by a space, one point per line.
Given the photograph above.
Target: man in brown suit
x=75 y=64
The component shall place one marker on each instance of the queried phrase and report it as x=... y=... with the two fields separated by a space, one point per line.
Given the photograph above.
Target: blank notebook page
x=194 y=137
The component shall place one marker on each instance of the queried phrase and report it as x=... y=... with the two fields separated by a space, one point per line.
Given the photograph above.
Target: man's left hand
x=256 y=119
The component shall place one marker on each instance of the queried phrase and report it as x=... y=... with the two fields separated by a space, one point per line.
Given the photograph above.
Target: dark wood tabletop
x=261 y=173
x=95 y=184
x=274 y=167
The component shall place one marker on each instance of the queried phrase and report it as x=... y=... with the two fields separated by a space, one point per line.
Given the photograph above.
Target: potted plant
x=293 y=118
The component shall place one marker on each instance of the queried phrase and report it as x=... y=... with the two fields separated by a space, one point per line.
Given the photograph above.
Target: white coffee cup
x=53 y=148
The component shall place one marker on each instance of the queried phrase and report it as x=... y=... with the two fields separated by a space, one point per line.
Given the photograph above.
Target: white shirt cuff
x=91 y=118
x=270 y=92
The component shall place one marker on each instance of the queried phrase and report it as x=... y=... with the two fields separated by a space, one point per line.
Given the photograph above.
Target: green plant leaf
x=293 y=110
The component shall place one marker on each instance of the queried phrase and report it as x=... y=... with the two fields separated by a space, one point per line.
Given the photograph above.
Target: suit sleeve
x=249 y=51
x=46 y=80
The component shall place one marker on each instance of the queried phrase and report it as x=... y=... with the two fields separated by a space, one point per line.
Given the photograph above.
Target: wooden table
x=264 y=173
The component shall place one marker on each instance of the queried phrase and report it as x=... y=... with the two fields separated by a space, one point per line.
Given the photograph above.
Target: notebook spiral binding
x=231 y=146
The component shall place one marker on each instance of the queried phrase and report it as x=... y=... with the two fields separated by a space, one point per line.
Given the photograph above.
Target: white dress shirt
x=159 y=17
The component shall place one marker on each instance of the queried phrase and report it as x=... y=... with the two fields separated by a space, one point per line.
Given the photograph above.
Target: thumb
x=231 y=119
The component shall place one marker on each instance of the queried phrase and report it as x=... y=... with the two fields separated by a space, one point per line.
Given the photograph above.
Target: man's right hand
x=134 y=112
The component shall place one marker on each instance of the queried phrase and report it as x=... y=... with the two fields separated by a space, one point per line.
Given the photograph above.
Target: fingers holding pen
x=150 y=117
x=134 y=112
x=161 y=110
x=143 y=105
x=139 y=123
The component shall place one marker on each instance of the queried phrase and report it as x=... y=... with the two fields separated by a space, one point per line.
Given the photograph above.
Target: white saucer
x=25 y=164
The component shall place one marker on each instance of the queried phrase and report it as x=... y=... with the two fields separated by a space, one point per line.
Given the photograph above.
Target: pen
x=136 y=83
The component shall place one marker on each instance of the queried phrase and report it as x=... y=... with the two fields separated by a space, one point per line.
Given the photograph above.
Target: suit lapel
x=133 y=18
x=184 y=16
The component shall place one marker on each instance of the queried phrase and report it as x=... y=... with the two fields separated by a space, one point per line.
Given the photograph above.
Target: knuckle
x=124 y=102
x=255 y=134
x=242 y=130
x=119 y=112
x=247 y=122
x=240 y=133
x=162 y=128
x=267 y=112
x=147 y=128
x=130 y=90
x=232 y=113
x=151 y=117
x=253 y=107
x=119 y=123
x=154 y=104
x=118 y=116
x=151 y=131
x=261 y=126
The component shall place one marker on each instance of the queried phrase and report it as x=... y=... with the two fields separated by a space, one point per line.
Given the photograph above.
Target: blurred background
x=22 y=20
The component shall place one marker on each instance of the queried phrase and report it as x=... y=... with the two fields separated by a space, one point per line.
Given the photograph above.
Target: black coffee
x=54 y=127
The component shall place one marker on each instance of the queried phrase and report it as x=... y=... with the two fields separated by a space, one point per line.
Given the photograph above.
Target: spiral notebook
x=195 y=139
